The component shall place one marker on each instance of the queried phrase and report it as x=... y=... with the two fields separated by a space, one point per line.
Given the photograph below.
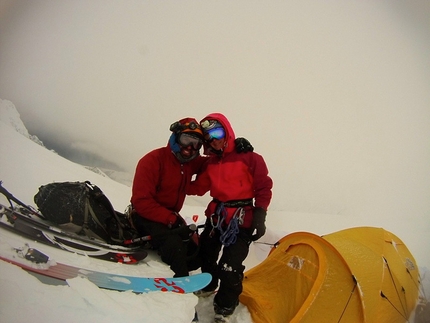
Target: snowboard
x=106 y=280
x=33 y=260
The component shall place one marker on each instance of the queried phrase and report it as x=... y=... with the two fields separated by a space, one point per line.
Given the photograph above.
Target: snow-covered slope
x=33 y=165
x=10 y=115
x=24 y=166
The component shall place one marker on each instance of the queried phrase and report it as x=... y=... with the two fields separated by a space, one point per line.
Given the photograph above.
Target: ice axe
x=182 y=231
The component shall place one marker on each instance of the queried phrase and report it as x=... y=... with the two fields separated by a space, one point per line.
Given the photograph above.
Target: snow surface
x=24 y=166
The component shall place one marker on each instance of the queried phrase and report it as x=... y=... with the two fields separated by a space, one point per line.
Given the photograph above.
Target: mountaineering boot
x=219 y=318
x=223 y=314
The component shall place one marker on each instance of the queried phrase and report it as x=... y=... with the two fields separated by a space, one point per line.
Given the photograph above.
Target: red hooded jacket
x=160 y=184
x=233 y=176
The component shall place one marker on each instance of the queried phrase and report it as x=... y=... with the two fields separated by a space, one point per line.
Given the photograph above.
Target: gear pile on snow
x=82 y=208
x=21 y=221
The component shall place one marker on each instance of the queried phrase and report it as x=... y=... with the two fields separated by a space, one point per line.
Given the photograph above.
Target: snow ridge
x=10 y=116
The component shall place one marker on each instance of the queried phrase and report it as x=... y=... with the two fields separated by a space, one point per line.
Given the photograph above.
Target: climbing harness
x=228 y=235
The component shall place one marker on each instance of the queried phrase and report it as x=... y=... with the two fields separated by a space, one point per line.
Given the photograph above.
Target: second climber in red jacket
x=241 y=190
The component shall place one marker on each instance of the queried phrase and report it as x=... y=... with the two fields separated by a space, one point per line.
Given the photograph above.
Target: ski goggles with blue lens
x=186 y=140
x=216 y=133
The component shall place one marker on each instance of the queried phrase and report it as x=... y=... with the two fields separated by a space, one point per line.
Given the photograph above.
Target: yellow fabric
x=385 y=265
x=309 y=279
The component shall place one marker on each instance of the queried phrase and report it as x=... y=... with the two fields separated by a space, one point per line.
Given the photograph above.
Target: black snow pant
x=228 y=271
x=171 y=247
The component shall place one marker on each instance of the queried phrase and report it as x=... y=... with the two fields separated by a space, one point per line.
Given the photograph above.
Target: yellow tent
x=358 y=275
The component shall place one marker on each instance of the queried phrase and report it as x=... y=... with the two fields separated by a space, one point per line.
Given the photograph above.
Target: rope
x=395 y=286
x=418 y=285
x=402 y=315
x=349 y=298
x=229 y=235
x=267 y=243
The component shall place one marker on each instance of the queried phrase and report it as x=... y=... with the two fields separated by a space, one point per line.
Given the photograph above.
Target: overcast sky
x=334 y=94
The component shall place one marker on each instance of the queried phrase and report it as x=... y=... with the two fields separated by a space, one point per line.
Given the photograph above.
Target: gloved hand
x=175 y=221
x=243 y=145
x=259 y=217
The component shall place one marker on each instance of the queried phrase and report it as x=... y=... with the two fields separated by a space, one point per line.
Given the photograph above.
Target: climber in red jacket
x=159 y=188
x=241 y=190
x=160 y=182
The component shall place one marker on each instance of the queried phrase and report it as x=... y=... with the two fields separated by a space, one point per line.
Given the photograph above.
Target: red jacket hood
x=229 y=132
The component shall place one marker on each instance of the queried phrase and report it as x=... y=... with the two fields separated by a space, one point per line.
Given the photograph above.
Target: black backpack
x=82 y=208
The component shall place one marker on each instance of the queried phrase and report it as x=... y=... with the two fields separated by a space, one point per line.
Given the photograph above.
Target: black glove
x=259 y=217
x=175 y=221
x=243 y=145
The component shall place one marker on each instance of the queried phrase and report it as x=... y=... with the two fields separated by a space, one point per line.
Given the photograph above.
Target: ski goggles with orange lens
x=216 y=133
x=186 y=140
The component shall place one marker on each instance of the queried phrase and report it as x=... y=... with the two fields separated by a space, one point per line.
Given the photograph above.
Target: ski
x=35 y=229
x=31 y=259
x=20 y=216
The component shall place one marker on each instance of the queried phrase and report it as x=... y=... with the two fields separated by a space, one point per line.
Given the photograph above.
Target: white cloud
x=334 y=95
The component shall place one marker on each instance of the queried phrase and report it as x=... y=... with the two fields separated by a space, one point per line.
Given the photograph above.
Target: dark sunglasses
x=186 y=140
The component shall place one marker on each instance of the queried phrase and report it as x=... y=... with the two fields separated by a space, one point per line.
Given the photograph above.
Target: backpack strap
x=90 y=212
x=102 y=198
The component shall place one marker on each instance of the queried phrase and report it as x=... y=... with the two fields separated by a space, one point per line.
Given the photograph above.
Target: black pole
x=185 y=230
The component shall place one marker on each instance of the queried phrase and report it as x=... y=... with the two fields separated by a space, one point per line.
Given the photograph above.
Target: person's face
x=217 y=144
x=189 y=145
x=215 y=138
x=187 y=152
